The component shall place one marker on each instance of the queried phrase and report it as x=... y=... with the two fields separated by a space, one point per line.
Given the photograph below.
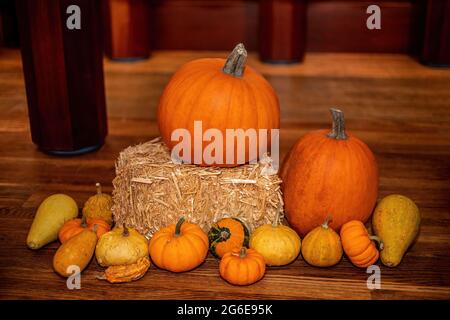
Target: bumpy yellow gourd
x=99 y=206
x=121 y=246
x=396 y=221
x=278 y=244
x=322 y=246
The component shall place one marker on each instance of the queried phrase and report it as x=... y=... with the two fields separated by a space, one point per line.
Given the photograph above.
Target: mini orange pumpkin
x=226 y=234
x=358 y=244
x=242 y=266
x=179 y=247
x=75 y=226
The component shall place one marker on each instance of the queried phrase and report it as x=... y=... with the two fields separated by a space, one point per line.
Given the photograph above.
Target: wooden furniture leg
x=282 y=30
x=127 y=29
x=436 y=47
x=63 y=72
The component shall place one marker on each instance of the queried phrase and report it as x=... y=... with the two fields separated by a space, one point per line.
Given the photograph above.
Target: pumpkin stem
x=326 y=222
x=235 y=64
x=243 y=252
x=178 y=226
x=83 y=222
x=126 y=232
x=94 y=229
x=99 y=188
x=378 y=240
x=338 y=128
x=276 y=221
x=224 y=234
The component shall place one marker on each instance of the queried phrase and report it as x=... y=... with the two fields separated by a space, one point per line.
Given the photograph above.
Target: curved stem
x=326 y=222
x=99 y=188
x=338 y=127
x=332 y=133
x=378 y=240
x=178 y=226
x=235 y=63
x=277 y=217
x=126 y=232
x=83 y=222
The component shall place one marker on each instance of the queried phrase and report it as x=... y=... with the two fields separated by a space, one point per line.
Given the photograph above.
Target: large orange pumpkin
x=329 y=173
x=222 y=94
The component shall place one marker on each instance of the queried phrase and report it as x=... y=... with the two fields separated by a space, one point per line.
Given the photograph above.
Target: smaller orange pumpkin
x=76 y=226
x=358 y=244
x=179 y=247
x=242 y=266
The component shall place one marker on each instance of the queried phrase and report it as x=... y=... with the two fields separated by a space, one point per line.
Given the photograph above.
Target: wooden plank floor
x=398 y=107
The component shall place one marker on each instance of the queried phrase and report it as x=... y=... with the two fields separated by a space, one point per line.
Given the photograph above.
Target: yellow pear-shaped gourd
x=99 y=206
x=52 y=213
x=75 y=252
x=121 y=246
x=278 y=244
x=322 y=246
x=396 y=221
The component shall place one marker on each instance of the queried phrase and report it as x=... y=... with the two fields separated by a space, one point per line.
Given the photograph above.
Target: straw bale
x=150 y=191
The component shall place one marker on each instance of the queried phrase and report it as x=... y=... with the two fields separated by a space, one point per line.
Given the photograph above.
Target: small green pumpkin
x=226 y=235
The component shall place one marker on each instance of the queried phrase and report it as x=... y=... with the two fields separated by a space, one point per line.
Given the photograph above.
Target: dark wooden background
x=180 y=24
x=281 y=30
x=331 y=25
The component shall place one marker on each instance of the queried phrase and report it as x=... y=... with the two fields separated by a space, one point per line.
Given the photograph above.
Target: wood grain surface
x=400 y=108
